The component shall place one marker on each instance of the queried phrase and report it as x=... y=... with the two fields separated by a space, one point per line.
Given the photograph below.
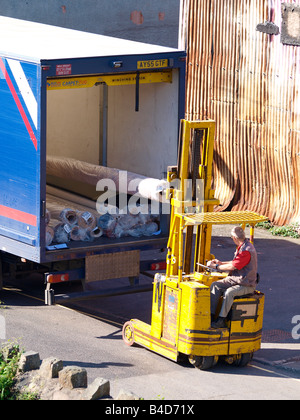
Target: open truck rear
x=100 y=101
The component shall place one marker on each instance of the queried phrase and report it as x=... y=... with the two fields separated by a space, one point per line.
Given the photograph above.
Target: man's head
x=238 y=235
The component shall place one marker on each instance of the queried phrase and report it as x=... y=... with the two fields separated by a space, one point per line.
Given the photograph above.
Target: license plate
x=152 y=64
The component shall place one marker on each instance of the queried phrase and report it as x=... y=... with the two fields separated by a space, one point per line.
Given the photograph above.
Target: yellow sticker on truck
x=110 y=80
x=152 y=64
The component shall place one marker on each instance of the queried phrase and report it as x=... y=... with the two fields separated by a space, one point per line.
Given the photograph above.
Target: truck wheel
x=203 y=362
x=128 y=333
x=244 y=359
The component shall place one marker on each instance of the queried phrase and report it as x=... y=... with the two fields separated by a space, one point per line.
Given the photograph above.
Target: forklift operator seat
x=250 y=294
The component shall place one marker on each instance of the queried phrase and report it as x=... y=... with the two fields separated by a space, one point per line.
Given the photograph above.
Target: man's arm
x=239 y=262
x=221 y=265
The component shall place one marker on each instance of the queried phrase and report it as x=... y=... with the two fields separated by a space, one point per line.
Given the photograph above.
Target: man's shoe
x=219 y=323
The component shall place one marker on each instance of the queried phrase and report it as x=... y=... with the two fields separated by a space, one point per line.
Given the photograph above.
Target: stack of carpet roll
x=71 y=225
x=89 y=174
x=122 y=223
x=73 y=218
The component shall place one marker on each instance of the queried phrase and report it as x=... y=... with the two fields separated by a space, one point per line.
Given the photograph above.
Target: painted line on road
x=19 y=292
x=92 y=316
x=274 y=372
x=12 y=289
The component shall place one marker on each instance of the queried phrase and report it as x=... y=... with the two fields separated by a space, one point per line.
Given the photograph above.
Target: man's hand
x=213 y=263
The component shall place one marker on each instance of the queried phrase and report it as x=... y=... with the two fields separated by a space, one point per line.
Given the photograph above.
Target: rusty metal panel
x=112 y=266
x=248 y=82
x=171 y=314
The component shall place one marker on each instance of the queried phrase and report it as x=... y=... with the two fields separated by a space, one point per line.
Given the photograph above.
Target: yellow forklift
x=181 y=316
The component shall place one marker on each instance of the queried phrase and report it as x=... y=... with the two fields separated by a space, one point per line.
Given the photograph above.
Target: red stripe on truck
x=18 y=103
x=18 y=215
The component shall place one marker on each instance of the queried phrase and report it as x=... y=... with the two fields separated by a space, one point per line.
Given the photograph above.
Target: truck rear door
x=20 y=154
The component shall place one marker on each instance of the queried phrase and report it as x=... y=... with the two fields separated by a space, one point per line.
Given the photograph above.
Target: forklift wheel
x=203 y=362
x=128 y=333
x=244 y=359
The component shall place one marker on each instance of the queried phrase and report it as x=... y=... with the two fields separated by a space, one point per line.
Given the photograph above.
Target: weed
x=292 y=230
x=9 y=360
x=8 y=371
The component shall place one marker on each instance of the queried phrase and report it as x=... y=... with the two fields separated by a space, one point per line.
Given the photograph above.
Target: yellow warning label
x=109 y=80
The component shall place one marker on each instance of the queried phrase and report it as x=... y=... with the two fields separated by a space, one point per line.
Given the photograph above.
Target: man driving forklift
x=242 y=278
x=181 y=299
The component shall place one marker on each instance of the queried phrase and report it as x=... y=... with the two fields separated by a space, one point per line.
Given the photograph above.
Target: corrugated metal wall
x=248 y=82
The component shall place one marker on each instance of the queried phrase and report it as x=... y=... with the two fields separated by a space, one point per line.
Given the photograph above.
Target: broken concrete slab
x=127 y=395
x=98 y=389
x=51 y=367
x=29 y=361
x=73 y=377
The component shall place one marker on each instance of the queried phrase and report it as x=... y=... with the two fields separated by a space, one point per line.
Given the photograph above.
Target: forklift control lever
x=207 y=268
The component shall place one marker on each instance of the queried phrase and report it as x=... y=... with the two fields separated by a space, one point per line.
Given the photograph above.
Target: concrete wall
x=153 y=21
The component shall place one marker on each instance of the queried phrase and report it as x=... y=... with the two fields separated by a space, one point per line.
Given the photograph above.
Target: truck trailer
x=73 y=102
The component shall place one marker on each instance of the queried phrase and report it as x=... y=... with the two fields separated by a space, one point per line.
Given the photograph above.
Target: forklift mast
x=194 y=194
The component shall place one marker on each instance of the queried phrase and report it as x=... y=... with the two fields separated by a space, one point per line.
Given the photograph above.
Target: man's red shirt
x=241 y=259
